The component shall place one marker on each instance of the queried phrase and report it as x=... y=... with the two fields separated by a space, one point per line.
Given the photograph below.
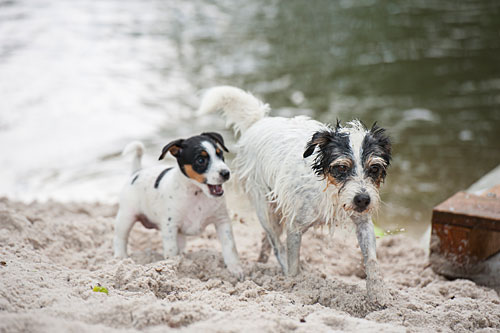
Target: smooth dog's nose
x=361 y=201
x=225 y=174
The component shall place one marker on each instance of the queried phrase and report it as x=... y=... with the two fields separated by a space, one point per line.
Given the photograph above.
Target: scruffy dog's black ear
x=319 y=138
x=380 y=138
x=173 y=147
x=217 y=138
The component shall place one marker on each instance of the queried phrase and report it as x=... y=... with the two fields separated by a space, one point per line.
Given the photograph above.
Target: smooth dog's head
x=201 y=159
x=354 y=160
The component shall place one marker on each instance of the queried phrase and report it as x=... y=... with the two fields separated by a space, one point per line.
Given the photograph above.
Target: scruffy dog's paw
x=378 y=294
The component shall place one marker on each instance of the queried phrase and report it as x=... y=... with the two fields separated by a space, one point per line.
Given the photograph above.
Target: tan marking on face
x=330 y=180
x=375 y=160
x=217 y=151
x=342 y=161
x=193 y=174
x=378 y=181
x=204 y=154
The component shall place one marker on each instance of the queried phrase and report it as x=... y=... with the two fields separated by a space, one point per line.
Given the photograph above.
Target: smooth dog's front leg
x=169 y=233
x=229 y=252
x=123 y=223
x=366 y=238
x=181 y=242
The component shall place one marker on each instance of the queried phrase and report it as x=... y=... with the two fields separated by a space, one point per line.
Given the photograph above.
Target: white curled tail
x=241 y=109
x=138 y=148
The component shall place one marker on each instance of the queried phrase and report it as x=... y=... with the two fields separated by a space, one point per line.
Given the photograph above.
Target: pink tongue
x=216 y=190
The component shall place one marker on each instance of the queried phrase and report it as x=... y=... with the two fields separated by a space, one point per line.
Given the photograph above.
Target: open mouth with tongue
x=215 y=190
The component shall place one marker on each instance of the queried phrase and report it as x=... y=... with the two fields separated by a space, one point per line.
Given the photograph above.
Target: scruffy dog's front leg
x=293 y=241
x=270 y=223
x=377 y=293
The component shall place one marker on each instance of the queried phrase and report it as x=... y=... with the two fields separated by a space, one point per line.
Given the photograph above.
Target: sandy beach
x=79 y=80
x=52 y=255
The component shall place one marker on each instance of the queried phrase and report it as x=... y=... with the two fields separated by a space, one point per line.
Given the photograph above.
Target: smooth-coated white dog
x=180 y=200
x=300 y=173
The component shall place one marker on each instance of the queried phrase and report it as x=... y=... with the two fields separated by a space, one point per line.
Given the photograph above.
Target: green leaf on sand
x=100 y=289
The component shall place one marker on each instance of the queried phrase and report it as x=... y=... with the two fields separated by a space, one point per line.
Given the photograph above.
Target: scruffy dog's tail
x=138 y=148
x=241 y=109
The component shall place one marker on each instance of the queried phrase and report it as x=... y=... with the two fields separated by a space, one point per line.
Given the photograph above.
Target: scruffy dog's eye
x=339 y=169
x=374 y=169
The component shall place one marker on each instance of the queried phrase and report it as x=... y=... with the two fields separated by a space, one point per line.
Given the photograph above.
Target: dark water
x=428 y=71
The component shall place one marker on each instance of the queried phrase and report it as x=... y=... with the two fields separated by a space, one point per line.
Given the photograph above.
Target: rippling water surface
x=79 y=79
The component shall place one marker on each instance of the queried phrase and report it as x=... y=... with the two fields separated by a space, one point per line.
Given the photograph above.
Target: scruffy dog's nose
x=361 y=201
x=225 y=174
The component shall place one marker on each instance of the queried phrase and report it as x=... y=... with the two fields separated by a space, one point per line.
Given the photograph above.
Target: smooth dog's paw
x=237 y=271
x=171 y=253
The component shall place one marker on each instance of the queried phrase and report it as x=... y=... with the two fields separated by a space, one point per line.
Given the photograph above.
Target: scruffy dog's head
x=354 y=160
x=201 y=159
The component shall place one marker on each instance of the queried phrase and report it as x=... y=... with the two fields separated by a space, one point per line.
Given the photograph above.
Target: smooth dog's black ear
x=173 y=147
x=319 y=138
x=217 y=138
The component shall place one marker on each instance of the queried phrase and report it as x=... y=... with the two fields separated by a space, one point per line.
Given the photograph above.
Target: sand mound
x=53 y=254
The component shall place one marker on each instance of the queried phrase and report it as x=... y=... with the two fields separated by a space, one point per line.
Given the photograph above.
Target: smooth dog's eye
x=201 y=160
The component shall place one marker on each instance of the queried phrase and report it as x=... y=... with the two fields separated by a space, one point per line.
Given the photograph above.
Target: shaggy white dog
x=300 y=173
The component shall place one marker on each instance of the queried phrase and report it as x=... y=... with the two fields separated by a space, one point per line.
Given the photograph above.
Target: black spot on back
x=160 y=176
